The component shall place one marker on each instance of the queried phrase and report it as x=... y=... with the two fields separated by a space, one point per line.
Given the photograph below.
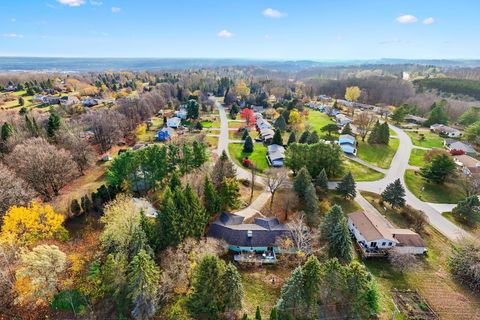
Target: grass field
x=348 y=206
x=378 y=154
x=236 y=124
x=211 y=141
x=235 y=135
x=416 y=157
x=430 y=277
x=258 y=156
x=359 y=171
x=431 y=140
x=318 y=120
x=449 y=192
x=474 y=229
x=210 y=124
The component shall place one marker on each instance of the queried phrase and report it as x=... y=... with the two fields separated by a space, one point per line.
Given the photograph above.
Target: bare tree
x=275 y=179
x=107 y=127
x=402 y=261
x=8 y=260
x=304 y=239
x=13 y=190
x=45 y=167
x=471 y=184
x=364 y=122
x=82 y=152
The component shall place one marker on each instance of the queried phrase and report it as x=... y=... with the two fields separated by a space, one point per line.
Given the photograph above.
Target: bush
x=464 y=263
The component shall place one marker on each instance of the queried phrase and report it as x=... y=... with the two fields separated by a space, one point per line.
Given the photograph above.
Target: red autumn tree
x=247 y=114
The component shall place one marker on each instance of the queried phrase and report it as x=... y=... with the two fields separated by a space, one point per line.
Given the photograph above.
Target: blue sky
x=257 y=29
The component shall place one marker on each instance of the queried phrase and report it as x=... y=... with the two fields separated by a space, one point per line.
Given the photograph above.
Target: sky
x=251 y=29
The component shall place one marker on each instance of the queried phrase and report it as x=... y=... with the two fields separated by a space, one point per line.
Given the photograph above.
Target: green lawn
x=359 y=171
x=258 y=156
x=378 y=154
x=151 y=135
x=416 y=157
x=318 y=120
x=211 y=141
x=449 y=192
x=474 y=229
x=210 y=124
x=392 y=133
x=236 y=124
x=348 y=206
x=235 y=135
x=430 y=140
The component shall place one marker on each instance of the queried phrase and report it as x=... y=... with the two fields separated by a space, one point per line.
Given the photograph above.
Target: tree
x=352 y=93
x=470 y=116
x=211 y=199
x=82 y=152
x=25 y=225
x=223 y=168
x=107 y=127
x=347 y=186
x=242 y=89
x=292 y=295
x=464 y=261
x=364 y=122
x=6 y=131
x=248 y=145
x=321 y=181
x=275 y=179
x=437 y=115
x=340 y=241
x=292 y=138
x=258 y=315
x=329 y=128
x=229 y=193
x=304 y=137
x=195 y=217
x=143 y=276
x=169 y=221
x=311 y=205
x=472 y=133
x=346 y=129
x=38 y=273
x=314 y=157
x=394 y=194
x=468 y=210
x=174 y=182
x=75 y=208
x=247 y=115
x=301 y=181
x=274 y=314
x=281 y=124
x=331 y=219
x=48 y=171
x=192 y=109
x=401 y=261
x=13 y=190
x=438 y=169
x=398 y=115
x=277 y=138
x=53 y=125
x=313 y=138
x=295 y=120
x=245 y=134
x=21 y=101
x=311 y=279
x=113 y=277
x=232 y=288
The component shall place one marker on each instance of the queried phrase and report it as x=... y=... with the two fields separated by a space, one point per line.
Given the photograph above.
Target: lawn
x=392 y=133
x=212 y=142
x=359 y=171
x=151 y=135
x=449 y=192
x=348 y=206
x=431 y=277
x=235 y=135
x=474 y=229
x=236 y=124
x=378 y=154
x=258 y=156
x=416 y=157
x=429 y=140
x=318 y=120
x=210 y=124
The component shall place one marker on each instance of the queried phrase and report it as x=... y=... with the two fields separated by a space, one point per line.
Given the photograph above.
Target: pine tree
x=439 y=168
x=347 y=129
x=143 y=276
x=292 y=138
x=7 y=131
x=174 y=182
x=248 y=145
x=301 y=181
x=311 y=279
x=274 y=314
x=196 y=217
x=199 y=154
x=384 y=134
x=347 y=187
x=340 y=244
x=394 y=194
x=304 y=137
x=86 y=204
x=437 y=115
x=258 y=315
x=75 y=207
x=281 y=124
x=313 y=138
x=374 y=134
x=292 y=298
x=53 y=124
x=468 y=210
x=223 y=169
x=245 y=134
x=229 y=194
x=321 y=181
x=331 y=219
x=311 y=205
x=277 y=138
x=168 y=220
x=232 y=288
x=211 y=199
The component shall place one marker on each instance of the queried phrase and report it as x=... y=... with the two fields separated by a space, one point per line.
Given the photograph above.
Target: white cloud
x=96 y=3
x=116 y=9
x=225 y=34
x=406 y=19
x=429 y=21
x=12 y=35
x=272 y=13
x=72 y=3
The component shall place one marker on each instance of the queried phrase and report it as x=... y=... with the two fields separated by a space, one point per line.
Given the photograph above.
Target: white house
x=342 y=120
x=266 y=134
x=173 y=122
x=275 y=155
x=446 y=130
x=347 y=144
x=69 y=100
x=145 y=206
x=469 y=165
x=182 y=114
x=263 y=124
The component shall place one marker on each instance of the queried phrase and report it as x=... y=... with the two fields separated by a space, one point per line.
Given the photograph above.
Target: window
x=383 y=244
x=390 y=244
x=373 y=244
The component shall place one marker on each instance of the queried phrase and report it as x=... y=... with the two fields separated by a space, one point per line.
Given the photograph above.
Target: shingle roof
x=467 y=161
x=407 y=238
x=370 y=226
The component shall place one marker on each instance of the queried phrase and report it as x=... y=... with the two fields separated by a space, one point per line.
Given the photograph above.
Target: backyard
x=359 y=171
x=449 y=192
x=378 y=154
x=258 y=156
x=318 y=120
x=425 y=139
x=417 y=157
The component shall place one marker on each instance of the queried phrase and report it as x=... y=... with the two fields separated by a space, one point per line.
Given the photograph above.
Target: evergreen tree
x=374 y=134
x=277 y=138
x=245 y=134
x=321 y=181
x=75 y=207
x=394 y=194
x=331 y=219
x=21 y=101
x=468 y=210
x=248 y=145
x=347 y=186
x=195 y=218
x=274 y=314
x=440 y=167
x=53 y=124
x=292 y=296
x=313 y=138
x=223 y=169
x=292 y=138
x=340 y=242
x=329 y=128
x=199 y=154
x=346 y=129
x=143 y=276
x=229 y=194
x=168 y=220
x=437 y=115
x=311 y=205
x=258 y=315
x=192 y=109
x=232 y=292
x=281 y=124
x=174 y=182
x=211 y=198
x=304 y=137
x=7 y=131
x=86 y=204
x=311 y=279
x=398 y=115
x=301 y=181
x=384 y=134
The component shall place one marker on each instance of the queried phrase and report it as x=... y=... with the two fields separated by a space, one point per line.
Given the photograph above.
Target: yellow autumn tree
x=242 y=89
x=25 y=225
x=141 y=130
x=296 y=121
x=352 y=93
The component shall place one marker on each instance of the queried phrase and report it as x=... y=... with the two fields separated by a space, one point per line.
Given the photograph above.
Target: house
x=174 y=122
x=455 y=145
x=145 y=206
x=415 y=119
x=373 y=235
x=182 y=113
x=267 y=134
x=348 y=144
x=164 y=134
x=446 y=130
x=342 y=120
x=469 y=165
x=263 y=124
x=258 y=109
x=275 y=155
x=259 y=237
x=89 y=102
x=69 y=100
